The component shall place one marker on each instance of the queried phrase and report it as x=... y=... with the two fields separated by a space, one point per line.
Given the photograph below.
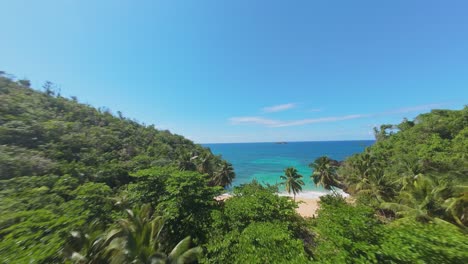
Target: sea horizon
x=275 y=142
x=266 y=161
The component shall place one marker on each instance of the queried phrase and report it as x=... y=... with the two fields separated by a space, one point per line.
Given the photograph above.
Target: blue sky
x=246 y=71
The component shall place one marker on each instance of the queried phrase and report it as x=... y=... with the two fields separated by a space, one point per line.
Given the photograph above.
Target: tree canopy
x=418 y=170
x=65 y=165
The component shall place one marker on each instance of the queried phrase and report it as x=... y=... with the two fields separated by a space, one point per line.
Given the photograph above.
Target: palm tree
x=422 y=199
x=204 y=163
x=458 y=208
x=377 y=186
x=138 y=237
x=224 y=175
x=89 y=248
x=140 y=241
x=292 y=181
x=324 y=173
x=186 y=162
x=365 y=173
x=183 y=253
x=367 y=164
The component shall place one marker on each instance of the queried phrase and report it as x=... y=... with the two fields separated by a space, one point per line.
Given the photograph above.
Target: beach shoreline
x=308 y=201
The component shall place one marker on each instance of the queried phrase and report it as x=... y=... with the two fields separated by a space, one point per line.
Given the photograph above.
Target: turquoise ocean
x=266 y=162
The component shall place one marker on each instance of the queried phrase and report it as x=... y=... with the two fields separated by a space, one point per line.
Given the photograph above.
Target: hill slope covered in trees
x=43 y=133
x=63 y=165
x=417 y=168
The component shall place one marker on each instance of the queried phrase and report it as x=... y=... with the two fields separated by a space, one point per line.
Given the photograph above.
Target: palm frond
x=190 y=256
x=180 y=248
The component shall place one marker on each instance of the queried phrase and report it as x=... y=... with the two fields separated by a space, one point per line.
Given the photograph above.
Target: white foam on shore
x=223 y=197
x=305 y=194
x=313 y=194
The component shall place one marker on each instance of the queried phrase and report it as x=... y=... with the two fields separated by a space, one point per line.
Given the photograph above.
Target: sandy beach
x=308 y=201
x=307 y=206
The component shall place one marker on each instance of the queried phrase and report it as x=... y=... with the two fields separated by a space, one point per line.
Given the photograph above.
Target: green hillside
x=435 y=144
x=415 y=168
x=64 y=165
x=43 y=133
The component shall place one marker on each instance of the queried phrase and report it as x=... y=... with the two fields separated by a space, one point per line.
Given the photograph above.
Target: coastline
x=307 y=207
x=312 y=194
x=308 y=201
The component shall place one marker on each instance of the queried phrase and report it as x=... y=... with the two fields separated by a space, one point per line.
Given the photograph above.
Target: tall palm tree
x=224 y=175
x=324 y=173
x=292 y=181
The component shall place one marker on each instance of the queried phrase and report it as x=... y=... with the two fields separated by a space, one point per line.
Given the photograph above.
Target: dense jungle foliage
x=415 y=169
x=80 y=185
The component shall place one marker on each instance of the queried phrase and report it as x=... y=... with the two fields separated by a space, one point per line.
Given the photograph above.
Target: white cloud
x=278 y=108
x=253 y=120
x=317 y=120
x=256 y=120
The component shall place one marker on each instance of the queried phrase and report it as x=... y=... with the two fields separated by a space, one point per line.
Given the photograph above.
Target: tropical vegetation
x=292 y=181
x=83 y=185
x=324 y=172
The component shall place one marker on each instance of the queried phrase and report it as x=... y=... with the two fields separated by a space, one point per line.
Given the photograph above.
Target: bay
x=265 y=162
